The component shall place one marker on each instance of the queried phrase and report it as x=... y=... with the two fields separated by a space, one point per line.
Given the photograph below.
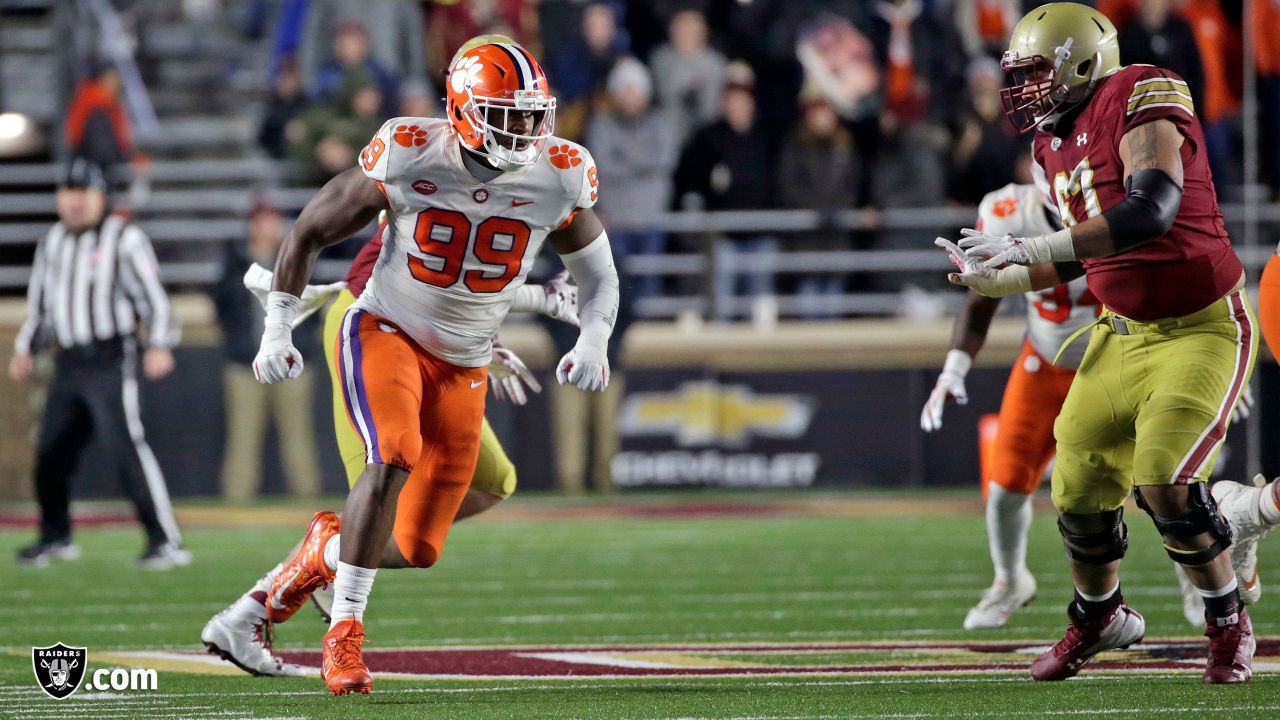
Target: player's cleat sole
x=1084 y=640
x=342 y=663
x=1231 y=649
x=245 y=644
x=1000 y=601
x=305 y=572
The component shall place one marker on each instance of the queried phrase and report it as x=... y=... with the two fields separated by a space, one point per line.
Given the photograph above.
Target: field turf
x=809 y=592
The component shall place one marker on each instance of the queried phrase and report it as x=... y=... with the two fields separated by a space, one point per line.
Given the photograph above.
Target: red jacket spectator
x=97 y=126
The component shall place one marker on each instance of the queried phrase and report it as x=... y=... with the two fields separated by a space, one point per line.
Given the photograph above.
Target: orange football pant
x=1269 y=305
x=416 y=412
x=1016 y=454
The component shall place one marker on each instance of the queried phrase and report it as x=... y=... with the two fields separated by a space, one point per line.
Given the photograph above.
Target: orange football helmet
x=487 y=85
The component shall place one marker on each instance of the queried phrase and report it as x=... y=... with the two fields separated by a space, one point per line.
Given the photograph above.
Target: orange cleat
x=342 y=666
x=306 y=572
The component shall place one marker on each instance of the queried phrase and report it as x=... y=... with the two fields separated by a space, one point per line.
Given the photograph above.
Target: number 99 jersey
x=1053 y=315
x=456 y=249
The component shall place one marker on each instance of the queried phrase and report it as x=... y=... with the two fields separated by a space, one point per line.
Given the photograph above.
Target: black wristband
x=1147 y=212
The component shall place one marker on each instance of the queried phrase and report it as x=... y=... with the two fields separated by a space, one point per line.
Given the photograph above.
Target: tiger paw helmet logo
x=464 y=74
x=564 y=157
x=59 y=669
x=410 y=136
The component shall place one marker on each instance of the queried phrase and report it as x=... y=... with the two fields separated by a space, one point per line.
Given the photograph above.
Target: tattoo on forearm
x=1142 y=148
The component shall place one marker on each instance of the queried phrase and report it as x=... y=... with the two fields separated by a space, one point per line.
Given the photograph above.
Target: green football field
x=832 y=605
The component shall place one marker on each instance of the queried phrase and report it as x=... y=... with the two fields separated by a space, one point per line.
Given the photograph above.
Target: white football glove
x=278 y=360
x=1244 y=406
x=950 y=385
x=987 y=281
x=258 y=281
x=584 y=366
x=562 y=298
x=994 y=251
x=508 y=376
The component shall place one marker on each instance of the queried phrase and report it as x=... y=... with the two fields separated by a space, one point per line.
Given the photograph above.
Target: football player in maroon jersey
x=1173 y=350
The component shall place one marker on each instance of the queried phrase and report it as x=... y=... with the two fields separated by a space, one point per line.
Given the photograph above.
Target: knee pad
x=1201 y=518
x=402 y=450
x=420 y=553
x=1094 y=538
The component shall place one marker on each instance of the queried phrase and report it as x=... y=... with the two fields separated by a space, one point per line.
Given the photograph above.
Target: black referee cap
x=81 y=172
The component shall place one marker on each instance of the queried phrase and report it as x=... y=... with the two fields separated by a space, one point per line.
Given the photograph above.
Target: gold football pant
x=1151 y=403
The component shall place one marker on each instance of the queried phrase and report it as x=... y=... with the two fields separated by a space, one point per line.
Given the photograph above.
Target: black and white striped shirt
x=96 y=285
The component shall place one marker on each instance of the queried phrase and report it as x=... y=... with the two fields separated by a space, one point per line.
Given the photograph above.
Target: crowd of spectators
x=713 y=104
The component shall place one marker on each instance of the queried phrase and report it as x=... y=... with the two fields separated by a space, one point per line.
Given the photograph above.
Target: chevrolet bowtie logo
x=707 y=413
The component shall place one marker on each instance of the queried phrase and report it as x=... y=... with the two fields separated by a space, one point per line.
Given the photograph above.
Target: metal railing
x=702 y=268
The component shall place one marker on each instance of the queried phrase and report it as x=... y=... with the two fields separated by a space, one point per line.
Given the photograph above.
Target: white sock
x=331 y=547
x=251 y=606
x=1008 y=518
x=1099 y=598
x=1269 y=504
x=351 y=589
x=1220 y=592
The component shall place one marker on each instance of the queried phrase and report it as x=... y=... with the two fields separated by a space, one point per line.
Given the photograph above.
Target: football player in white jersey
x=470 y=201
x=1014 y=461
x=1024 y=444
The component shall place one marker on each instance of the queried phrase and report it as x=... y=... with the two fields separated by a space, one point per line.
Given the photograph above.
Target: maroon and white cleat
x=1231 y=649
x=1122 y=628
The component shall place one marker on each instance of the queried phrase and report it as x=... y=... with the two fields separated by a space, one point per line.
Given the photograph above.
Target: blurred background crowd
x=688 y=105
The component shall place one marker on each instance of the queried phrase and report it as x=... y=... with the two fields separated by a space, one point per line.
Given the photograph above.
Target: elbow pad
x=1147 y=212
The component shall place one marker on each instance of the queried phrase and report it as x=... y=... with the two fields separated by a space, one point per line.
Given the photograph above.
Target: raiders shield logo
x=59 y=669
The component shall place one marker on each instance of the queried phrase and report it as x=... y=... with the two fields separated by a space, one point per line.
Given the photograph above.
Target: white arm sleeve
x=529 y=298
x=592 y=269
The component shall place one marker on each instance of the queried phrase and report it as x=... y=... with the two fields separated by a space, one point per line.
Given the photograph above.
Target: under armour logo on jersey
x=1082 y=138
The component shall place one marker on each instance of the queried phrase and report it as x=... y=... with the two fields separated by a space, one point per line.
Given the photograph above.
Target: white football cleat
x=999 y=601
x=1240 y=506
x=246 y=643
x=1192 y=603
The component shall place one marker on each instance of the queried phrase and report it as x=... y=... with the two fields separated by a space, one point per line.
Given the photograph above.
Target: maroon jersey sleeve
x=1180 y=272
x=1154 y=93
x=362 y=265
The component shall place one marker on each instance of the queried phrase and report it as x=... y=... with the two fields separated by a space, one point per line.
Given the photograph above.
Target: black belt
x=93 y=353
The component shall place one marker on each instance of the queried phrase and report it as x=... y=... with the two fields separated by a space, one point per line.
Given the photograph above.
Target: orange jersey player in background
x=1023 y=445
x=470 y=201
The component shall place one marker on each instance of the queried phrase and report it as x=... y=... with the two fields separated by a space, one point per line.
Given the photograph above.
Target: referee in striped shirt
x=94 y=285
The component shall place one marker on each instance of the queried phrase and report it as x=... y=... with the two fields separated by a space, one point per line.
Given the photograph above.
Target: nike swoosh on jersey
x=518 y=203
x=477 y=384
